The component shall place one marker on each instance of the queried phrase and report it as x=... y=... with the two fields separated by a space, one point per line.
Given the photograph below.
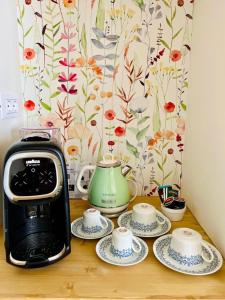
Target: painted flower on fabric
x=29 y=53
x=168 y=134
x=175 y=55
x=180 y=3
x=152 y=143
x=89 y=63
x=67 y=63
x=170 y=151
x=29 y=105
x=110 y=114
x=158 y=135
x=27 y=2
x=69 y=3
x=180 y=126
x=78 y=131
x=72 y=150
x=169 y=107
x=51 y=121
x=71 y=77
x=120 y=131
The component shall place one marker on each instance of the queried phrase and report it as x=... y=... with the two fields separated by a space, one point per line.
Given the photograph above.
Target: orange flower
x=91 y=61
x=97 y=107
x=168 y=134
x=158 y=135
x=29 y=53
x=73 y=150
x=103 y=94
x=96 y=87
x=80 y=62
x=109 y=94
x=151 y=143
x=69 y=3
x=97 y=70
x=175 y=55
x=92 y=96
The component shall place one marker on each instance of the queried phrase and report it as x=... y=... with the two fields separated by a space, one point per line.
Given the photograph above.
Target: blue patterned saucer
x=96 y=233
x=125 y=220
x=104 y=252
x=161 y=248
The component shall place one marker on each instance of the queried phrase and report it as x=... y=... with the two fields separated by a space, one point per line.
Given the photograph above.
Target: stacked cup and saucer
x=122 y=248
x=92 y=225
x=144 y=220
x=186 y=252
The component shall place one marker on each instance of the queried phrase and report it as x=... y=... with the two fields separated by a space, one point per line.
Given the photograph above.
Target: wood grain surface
x=82 y=275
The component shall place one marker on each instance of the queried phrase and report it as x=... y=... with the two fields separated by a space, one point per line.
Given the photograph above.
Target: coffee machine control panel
x=32 y=176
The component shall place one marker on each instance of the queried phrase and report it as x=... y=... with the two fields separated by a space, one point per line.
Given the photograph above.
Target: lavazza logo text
x=32 y=161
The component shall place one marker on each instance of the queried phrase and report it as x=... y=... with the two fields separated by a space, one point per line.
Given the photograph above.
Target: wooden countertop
x=82 y=275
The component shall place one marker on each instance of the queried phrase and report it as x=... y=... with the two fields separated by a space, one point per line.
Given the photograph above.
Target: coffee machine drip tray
x=36 y=247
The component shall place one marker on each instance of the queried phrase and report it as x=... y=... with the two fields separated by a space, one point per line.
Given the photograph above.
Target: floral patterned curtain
x=113 y=76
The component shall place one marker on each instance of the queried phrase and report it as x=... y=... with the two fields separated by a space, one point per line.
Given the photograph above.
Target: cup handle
x=209 y=260
x=159 y=221
x=104 y=222
x=80 y=188
x=138 y=244
x=135 y=185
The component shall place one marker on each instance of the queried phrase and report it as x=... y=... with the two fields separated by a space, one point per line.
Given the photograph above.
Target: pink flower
x=66 y=36
x=180 y=126
x=63 y=78
x=110 y=114
x=71 y=90
x=65 y=63
x=71 y=48
x=50 y=121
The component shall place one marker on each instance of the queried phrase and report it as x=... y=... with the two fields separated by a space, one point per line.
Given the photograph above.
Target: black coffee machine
x=36 y=203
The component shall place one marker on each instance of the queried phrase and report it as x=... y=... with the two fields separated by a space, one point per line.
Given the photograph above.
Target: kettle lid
x=108 y=161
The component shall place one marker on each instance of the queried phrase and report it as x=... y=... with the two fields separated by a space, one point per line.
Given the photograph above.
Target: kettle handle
x=80 y=188
x=135 y=186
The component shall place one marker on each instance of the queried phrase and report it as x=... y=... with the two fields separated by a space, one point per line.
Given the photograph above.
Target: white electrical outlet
x=9 y=105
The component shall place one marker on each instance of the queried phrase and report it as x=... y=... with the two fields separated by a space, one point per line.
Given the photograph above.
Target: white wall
x=9 y=74
x=204 y=156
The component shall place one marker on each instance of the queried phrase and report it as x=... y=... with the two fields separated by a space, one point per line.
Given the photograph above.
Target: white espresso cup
x=124 y=243
x=93 y=221
x=144 y=217
x=188 y=248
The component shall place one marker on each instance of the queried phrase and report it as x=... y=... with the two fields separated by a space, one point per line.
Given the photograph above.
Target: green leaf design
x=168 y=175
x=142 y=133
x=55 y=94
x=165 y=44
x=174 y=13
x=91 y=117
x=46 y=106
x=156 y=117
x=177 y=33
x=168 y=22
x=80 y=108
x=84 y=39
x=44 y=83
x=160 y=167
x=133 y=130
x=100 y=17
x=164 y=160
x=132 y=149
x=184 y=106
x=28 y=31
x=100 y=155
x=166 y=3
x=143 y=120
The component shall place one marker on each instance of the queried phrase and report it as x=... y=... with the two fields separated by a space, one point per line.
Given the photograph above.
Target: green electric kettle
x=108 y=189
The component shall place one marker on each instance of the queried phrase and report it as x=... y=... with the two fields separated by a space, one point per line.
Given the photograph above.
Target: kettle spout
x=126 y=169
